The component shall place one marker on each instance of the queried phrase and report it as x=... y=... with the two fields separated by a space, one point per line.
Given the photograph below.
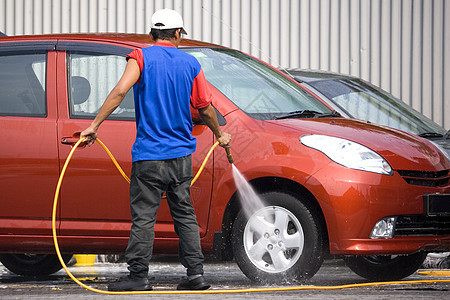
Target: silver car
x=355 y=98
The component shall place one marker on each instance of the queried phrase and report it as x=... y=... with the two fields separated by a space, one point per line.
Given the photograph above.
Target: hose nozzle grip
x=229 y=156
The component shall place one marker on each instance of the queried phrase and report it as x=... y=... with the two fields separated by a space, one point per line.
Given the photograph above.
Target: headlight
x=347 y=153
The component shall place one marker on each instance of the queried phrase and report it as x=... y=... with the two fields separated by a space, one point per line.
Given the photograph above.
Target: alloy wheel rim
x=273 y=239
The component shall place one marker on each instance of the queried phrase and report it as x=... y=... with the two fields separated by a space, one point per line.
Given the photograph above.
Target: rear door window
x=22 y=84
x=91 y=78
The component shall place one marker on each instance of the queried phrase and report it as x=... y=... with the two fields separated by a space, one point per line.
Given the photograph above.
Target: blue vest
x=162 y=102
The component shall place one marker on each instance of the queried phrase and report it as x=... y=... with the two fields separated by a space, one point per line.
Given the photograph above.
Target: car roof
x=305 y=75
x=130 y=39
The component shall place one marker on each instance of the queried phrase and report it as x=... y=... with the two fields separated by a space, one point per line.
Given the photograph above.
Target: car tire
x=281 y=242
x=33 y=264
x=385 y=267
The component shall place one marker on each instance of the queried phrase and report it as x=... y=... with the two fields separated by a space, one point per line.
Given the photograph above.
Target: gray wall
x=402 y=46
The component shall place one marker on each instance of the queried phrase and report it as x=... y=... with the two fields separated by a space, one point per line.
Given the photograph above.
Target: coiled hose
x=268 y=289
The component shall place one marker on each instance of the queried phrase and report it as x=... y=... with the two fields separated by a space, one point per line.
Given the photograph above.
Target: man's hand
x=90 y=134
x=224 y=140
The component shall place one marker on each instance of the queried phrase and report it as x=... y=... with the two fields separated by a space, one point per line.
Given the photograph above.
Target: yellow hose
x=434 y=273
x=295 y=288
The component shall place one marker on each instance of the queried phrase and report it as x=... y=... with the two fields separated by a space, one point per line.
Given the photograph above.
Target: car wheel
x=281 y=242
x=33 y=264
x=385 y=267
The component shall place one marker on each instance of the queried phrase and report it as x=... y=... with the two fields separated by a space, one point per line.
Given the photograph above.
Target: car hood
x=402 y=150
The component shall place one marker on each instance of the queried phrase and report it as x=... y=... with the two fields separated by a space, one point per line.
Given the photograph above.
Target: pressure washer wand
x=230 y=158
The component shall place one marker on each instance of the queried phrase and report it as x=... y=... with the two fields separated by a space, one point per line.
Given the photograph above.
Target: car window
x=366 y=107
x=255 y=88
x=91 y=78
x=363 y=101
x=22 y=85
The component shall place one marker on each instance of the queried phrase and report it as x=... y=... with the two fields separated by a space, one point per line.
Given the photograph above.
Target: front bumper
x=353 y=201
x=397 y=245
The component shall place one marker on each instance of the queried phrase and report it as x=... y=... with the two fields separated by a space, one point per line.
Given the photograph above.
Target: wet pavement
x=166 y=273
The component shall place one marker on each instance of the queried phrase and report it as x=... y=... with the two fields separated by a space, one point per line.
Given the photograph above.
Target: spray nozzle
x=230 y=158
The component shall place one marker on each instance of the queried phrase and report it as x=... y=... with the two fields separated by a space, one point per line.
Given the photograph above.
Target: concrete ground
x=166 y=273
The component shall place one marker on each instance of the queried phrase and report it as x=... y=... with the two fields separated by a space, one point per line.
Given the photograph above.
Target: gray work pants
x=149 y=180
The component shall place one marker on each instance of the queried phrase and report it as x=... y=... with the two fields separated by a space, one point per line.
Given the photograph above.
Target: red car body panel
x=93 y=213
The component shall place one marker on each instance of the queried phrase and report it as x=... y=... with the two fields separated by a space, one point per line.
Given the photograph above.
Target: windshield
x=366 y=102
x=258 y=90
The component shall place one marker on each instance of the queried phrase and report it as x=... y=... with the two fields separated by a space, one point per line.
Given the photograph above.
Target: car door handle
x=69 y=140
x=72 y=140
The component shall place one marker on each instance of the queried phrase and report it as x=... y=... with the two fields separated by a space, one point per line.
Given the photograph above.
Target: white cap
x=167 y=19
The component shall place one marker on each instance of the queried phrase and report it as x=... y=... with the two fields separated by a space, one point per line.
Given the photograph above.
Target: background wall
x=402 y=46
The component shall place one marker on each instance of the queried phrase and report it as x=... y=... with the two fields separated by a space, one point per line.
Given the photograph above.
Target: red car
x=377 y=196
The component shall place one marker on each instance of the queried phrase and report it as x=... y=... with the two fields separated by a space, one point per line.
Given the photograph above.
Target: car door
x=28 y=150
x=94 y=196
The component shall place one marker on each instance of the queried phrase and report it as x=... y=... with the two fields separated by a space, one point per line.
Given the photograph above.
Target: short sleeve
x=137 y=55
x=200 y=95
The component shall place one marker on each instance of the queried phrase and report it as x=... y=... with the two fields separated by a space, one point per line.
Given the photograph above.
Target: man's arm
x=129 y=78
x=201 y=97
x=208 y=115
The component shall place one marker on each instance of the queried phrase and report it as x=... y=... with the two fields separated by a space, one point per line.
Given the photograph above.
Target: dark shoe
x=198 y=283
x=131 y=284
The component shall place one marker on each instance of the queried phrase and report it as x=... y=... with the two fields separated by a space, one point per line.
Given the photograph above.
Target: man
x=166 y=81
